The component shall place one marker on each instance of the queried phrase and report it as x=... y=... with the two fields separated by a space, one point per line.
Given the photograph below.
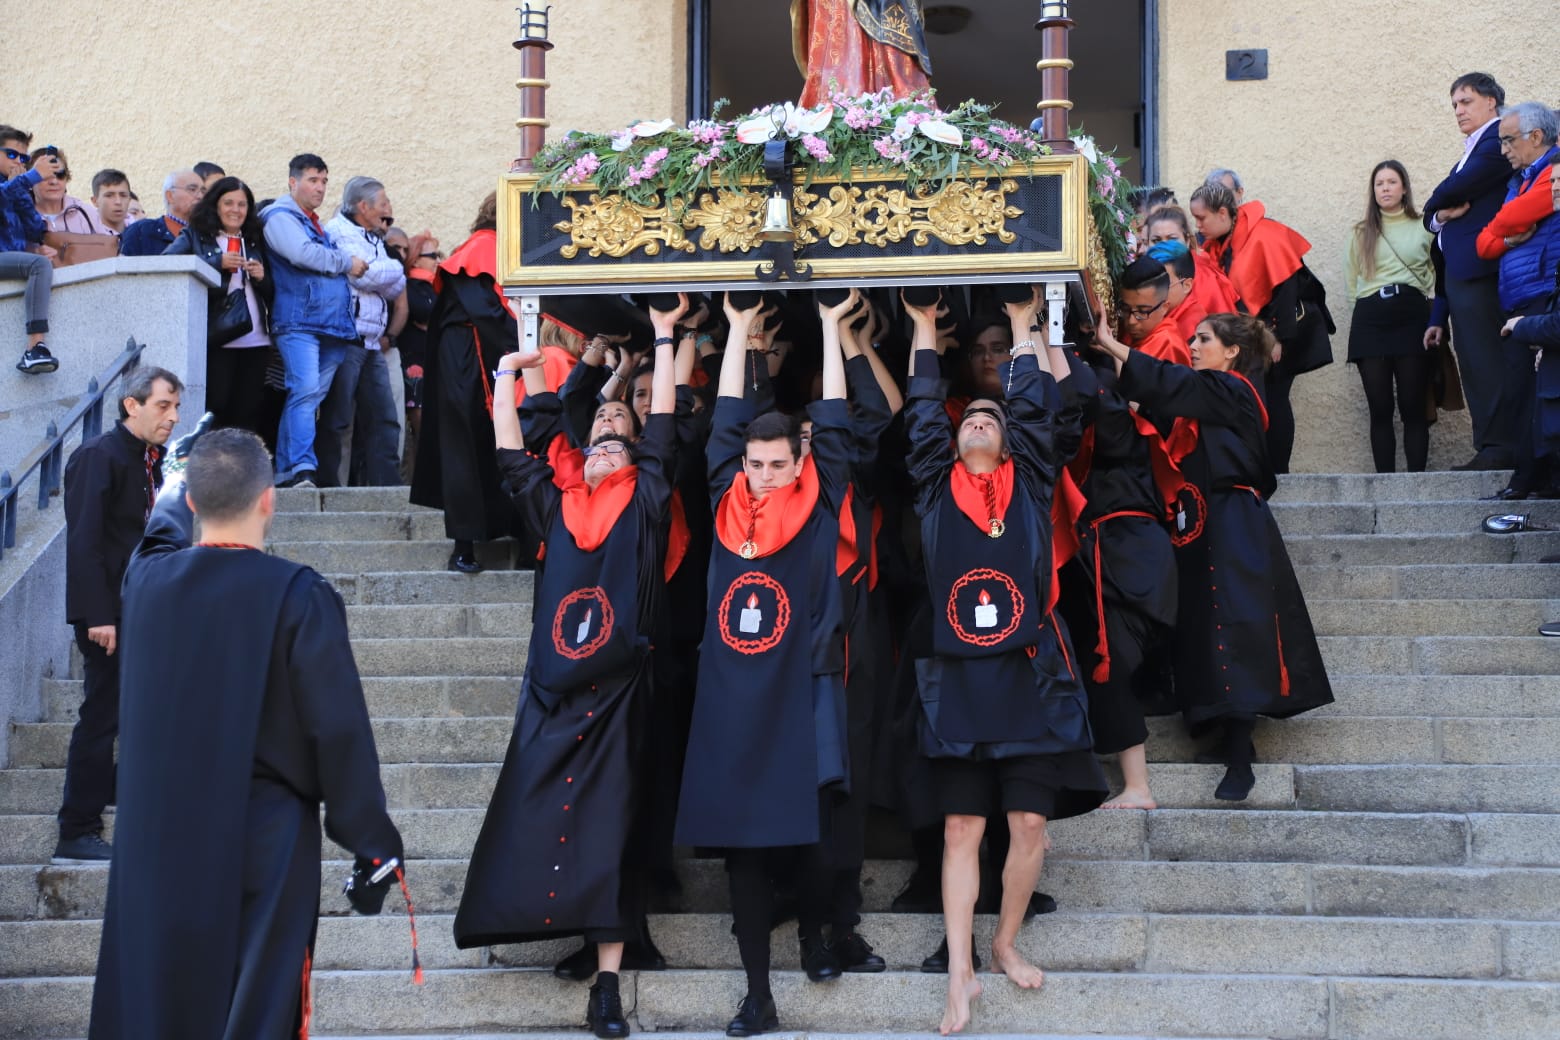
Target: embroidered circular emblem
x=577 y=633
x=1188 y=516
x=986 y=595
x=762 y=616
x=996 y=528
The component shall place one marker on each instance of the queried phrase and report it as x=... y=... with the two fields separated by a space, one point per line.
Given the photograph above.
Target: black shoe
x=304 y=478
x=37 y=360
x=89 y=848
x=918 y=897
x=1237 y=784
x=755 y=1015
x=818 y=961
x=642 y=956
x=1039 y=903
x=854 y=954
x=465 y=563
x=604 y=1008
x=1549 y=628
x=1507 y=494
x=579 y=965
x=937 y=963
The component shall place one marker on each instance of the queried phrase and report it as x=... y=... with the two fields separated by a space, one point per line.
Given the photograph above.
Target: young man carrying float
x=766 y=749
x=1005 y=718
x=552 y=858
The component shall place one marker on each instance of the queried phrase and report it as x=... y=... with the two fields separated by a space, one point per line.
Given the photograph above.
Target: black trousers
x=1281 y=416
x=89 y=764
x=1477 y=318
x=1411 y=374
x=235 y=387
x=1518 y=395
x=751 y=874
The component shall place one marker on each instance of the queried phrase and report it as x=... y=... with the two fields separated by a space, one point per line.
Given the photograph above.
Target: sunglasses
x=16 y=156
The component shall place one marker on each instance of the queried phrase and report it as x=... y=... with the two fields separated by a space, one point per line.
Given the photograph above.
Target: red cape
x=1265 y=253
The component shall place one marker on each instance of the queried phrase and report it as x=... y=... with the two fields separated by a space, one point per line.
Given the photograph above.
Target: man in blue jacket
x=1457 y=211
x=22 y=252
x=311 y=319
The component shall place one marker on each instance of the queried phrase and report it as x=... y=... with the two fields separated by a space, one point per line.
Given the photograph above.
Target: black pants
x=1476 y=320
x=1411 y=374
x=1518 y=395
x=89 y=764
x=235 y=387
x=1281 y=416
x=751 y=874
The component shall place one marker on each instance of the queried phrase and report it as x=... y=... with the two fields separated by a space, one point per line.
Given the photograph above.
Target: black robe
x=232 y=733
x=456 y=471
x=1244 y=641
x=1000 y=702
x=768 y=728
x=549 y=861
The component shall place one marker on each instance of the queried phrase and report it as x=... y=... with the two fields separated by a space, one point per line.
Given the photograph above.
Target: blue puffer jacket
x=312 y=294
x=1527 y=271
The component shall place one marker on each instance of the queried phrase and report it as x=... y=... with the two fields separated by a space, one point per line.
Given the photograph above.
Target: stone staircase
x=1395 y=874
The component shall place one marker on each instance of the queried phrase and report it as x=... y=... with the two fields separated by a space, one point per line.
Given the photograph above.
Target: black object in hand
x=1011 y=293
x=922 y=295
x=666 y=303
x=369 y=883
x=181 y=447
x=832 y=297
x=744 y=300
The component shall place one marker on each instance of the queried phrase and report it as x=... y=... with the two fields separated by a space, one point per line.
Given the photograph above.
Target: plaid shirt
x=20 y=225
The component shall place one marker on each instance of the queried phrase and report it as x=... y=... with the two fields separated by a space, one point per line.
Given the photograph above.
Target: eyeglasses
x=1507 y=140
x=16 y=156
x=194 y=189
x=1139 y=313
x=609 y=448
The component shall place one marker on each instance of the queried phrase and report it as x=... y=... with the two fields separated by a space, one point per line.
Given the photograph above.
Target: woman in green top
x=1391 y=281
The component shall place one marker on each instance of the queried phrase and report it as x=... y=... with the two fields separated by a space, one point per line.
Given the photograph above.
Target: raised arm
x=733 y=367
x=927 y=425
x=866 y=339
x=506 y=420
x=663 y=384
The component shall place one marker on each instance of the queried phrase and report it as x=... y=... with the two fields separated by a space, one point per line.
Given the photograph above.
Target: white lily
x=622 y=140
x=793 y=122
x=1086 y=148
x=756 y=130
x=942 y=131
x=646 y=128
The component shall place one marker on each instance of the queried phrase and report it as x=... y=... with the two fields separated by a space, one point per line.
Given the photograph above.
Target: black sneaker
x=1549 y=628
x=89 y=848
x=855 y=955
x=304 y=478
x=1238 y=781
x=604 y=1008
x=37 y=360
x=755 y=1015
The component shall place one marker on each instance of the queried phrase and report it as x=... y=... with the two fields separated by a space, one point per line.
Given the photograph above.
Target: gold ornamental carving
x=1097 y=266
x=960 y=213
x=613 y=226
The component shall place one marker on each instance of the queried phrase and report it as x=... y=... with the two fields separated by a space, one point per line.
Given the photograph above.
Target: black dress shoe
x=642 y=955
x=818 y=961
x=1039 y=903
x=755 y=1015
x=1237 y=784
x=937 y=963
x=465 y=563
x=604 y=1008
x=854 y=954
x=579 y=965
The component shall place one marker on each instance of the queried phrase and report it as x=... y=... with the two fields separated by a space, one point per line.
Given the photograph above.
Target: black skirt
x=1389 y=326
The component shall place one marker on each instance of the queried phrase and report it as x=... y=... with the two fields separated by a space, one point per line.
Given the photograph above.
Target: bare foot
x=960 y=992
x=1010 y=963
x=1132 y=798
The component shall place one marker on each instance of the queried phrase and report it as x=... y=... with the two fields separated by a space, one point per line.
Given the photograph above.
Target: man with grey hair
x=358 y=420
x=182 y=189
x=1525 y=237
x=1231 y=180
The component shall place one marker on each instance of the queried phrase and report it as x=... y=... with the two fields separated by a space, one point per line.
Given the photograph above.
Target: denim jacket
x=21 y=227
x=312 y=294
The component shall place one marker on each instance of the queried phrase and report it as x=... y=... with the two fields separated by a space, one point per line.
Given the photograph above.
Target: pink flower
x=817 y=147
x=1107 y=185
x=979 y=146
x=1110 y=164
x=889 y=149
x=857 y=118
x=582 y=169
x=653 y=162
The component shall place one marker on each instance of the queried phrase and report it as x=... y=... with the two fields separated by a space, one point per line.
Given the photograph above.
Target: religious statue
x=859 y=47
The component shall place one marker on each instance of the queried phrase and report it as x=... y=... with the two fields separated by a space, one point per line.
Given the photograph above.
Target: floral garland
x=909 y=139
x=1110 y=203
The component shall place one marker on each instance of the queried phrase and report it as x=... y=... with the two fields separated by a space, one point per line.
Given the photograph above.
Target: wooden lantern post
x=533 y=46
x=1055 y=68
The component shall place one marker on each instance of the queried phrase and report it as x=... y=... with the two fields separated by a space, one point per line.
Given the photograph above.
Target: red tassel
x=1283 y=669
x=308 y=994
x=411 y=916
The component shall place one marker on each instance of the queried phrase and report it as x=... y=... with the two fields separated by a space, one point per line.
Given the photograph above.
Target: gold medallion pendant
x=998 y=528
x=747 y=551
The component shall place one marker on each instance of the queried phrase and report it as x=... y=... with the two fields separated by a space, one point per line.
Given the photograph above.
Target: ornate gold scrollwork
x=1097 y=265
x=960 y=213
x=614 y=226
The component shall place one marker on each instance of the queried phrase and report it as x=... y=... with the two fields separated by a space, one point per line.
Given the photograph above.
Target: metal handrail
x=49 y=456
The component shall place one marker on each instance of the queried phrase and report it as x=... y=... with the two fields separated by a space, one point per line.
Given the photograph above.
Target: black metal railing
x=49 y=457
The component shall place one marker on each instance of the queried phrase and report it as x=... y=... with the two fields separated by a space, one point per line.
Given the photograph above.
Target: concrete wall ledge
x=93 y=270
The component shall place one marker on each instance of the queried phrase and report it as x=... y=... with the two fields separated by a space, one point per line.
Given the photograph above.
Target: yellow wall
x=415 y=92
x=1349 y=84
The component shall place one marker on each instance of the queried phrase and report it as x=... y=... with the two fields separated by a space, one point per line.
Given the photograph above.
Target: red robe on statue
x=858 y=47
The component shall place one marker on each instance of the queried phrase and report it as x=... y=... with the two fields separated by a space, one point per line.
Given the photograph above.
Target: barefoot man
x=1005 y=718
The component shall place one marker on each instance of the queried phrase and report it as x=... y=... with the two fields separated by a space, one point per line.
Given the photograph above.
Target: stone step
x=1420 y=696
x=1289 y=1006
x=385 y=587
x=361 y=557
x=1453 y=580
x=348 y=500
x=33 y=892
x=1065 y=941
x=1326 y=739
x=1414 y=517
x=357 y=526
x=1247 y=835
x=1527 y=653
x=1444 y=486
x=1430 y=617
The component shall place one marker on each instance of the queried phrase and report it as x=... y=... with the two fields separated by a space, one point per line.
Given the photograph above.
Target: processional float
x=866 y=186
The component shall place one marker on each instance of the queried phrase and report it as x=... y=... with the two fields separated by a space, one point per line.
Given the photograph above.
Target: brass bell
x=777 y=220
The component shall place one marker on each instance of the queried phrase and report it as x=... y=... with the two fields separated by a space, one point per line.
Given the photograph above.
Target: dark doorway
x=742 y=52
